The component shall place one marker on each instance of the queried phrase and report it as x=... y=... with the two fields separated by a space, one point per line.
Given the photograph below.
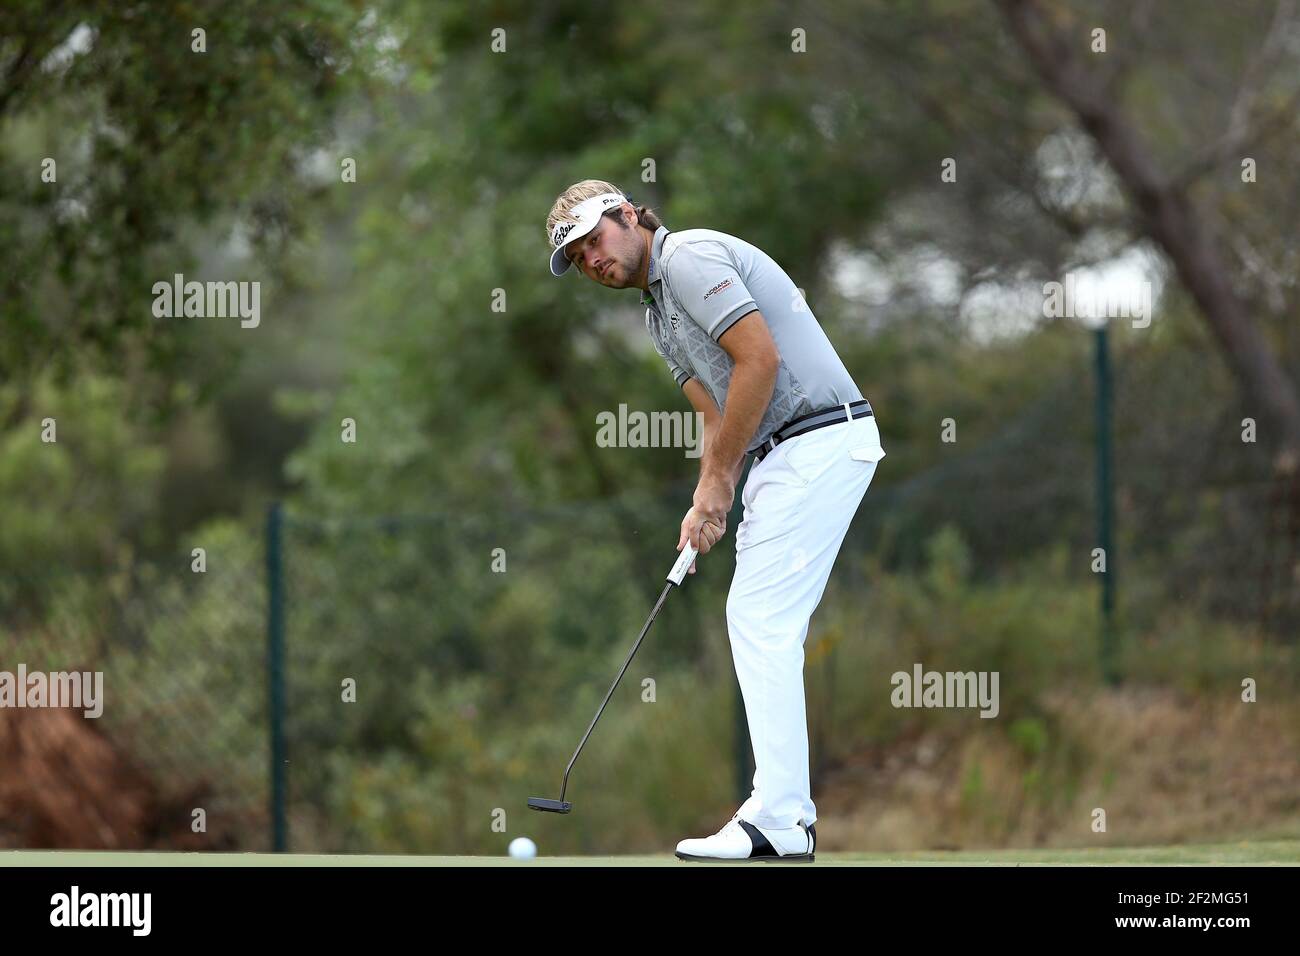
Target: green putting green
x=1266 y=853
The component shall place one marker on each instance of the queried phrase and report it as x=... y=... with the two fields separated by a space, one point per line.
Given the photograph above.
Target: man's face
x=609 y=254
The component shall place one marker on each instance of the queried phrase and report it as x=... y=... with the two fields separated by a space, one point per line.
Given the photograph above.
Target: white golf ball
x=522 y=848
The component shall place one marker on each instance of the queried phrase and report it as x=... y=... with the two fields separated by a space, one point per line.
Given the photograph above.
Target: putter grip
x=683 y=564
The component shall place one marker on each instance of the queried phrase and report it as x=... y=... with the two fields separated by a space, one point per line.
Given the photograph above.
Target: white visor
x=587 y=213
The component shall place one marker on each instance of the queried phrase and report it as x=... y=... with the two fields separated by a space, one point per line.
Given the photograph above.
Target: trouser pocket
x=867 y=453
x=866 y=446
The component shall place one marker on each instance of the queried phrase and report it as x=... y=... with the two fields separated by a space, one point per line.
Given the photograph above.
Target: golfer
x=754 y=362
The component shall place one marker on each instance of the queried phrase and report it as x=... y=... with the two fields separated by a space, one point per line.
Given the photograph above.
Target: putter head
x=550 y=806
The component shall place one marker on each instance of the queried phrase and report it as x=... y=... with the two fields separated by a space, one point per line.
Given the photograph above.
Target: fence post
x=1105 y=506
x=275 y=673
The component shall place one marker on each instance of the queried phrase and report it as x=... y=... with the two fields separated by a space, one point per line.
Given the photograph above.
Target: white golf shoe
x=742 y=842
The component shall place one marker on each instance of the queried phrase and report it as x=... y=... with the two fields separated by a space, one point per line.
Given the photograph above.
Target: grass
x=1262 y=853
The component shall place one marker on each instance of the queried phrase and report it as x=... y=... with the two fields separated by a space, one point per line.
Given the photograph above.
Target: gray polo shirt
x=701 y=283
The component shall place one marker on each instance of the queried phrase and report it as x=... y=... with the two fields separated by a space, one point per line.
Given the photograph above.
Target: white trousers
x=798 y=502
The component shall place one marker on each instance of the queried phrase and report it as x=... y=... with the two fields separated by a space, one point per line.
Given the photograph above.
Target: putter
x=675 y=577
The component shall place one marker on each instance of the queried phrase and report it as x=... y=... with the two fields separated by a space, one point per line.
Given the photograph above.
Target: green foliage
x=151 y=139
x=77 y=501
x=474 y=686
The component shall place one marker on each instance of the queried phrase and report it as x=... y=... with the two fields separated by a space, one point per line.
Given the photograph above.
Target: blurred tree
x=151 y=137
x=1263 y=105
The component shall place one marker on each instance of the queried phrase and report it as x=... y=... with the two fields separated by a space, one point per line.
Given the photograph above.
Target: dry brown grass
x=1167 y=769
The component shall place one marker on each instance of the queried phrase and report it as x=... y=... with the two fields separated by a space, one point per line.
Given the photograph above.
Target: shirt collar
x=652 y=273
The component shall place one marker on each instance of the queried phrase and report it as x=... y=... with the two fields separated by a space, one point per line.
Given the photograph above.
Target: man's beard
x=622 y=282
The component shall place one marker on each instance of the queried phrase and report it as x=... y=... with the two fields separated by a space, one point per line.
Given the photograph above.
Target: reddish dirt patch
x=66 y=785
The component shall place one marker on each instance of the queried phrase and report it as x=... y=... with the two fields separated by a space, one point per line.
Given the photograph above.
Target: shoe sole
x=793 y=858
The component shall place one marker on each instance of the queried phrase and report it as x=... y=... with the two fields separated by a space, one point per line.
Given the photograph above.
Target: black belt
x=811 y=422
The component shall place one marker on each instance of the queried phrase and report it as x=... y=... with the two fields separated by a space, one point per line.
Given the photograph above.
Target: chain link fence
x=437 y=669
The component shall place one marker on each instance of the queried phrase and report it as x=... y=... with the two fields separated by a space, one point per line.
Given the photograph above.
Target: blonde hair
x=560 y=210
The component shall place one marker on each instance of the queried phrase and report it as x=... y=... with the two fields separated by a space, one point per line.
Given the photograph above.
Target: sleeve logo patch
x=718 y=288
